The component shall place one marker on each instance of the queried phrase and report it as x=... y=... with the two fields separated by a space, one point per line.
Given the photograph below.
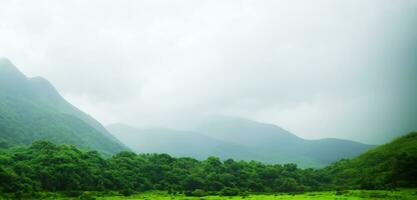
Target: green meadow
x=313 y=195
x=407 y=194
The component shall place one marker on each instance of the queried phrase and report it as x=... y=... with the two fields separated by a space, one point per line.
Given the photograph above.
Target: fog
x=340 y=69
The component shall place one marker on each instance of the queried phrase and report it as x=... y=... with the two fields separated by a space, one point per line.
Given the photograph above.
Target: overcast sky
x=322 y=68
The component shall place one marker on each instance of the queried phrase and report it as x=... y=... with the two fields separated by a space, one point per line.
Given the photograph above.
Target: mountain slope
x=240 y=139
x=31 y=109
x=390 y=165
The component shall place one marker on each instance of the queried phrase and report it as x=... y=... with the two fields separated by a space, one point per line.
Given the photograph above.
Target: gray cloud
x=318 y=68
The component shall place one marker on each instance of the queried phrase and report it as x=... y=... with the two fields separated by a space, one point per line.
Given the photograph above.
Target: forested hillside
x=391 y=165
x=31 y=109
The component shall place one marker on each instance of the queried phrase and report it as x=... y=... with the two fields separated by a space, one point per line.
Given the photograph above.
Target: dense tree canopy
x=45 y=166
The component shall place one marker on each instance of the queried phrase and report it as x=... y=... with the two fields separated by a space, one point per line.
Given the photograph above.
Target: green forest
x=46 y=167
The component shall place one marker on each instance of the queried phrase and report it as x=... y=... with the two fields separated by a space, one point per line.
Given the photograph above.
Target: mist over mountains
x=208 y=100
x=237 y=138
x=31 y=109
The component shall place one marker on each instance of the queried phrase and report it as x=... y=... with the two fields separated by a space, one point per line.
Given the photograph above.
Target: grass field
x=349 y=195
x=408 y=194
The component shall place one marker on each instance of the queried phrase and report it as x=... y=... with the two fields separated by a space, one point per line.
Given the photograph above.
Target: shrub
x=127 y=192
x=73 y=193
x=342 y=192
x=196 y=193
x=227 y=191
x=86 y=196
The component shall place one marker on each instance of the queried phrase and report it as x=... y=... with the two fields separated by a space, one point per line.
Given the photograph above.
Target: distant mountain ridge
x=272 y=138
x=31 y=109
x=246 y=139
x=175 y=142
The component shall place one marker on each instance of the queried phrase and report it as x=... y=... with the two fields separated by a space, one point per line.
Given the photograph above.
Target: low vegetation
x=347 y=195
x=403 y=194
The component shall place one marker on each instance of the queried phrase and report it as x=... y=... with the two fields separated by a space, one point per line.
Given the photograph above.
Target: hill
x=237 y=138
x=31 y=109
x=390 y=165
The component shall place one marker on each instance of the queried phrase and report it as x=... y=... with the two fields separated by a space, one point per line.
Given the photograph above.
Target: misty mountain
x=271 y=138
x=237 y=138
x=177 y=143
x=32 y=109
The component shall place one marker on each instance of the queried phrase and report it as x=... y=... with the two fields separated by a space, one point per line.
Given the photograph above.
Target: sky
x=323 y=68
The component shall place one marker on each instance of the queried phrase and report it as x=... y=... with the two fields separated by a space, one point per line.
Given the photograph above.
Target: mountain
x=177 y=143
x=242 y=131
x=237 y=138
x=390 y=165
x=277 y=144
x=32 y=109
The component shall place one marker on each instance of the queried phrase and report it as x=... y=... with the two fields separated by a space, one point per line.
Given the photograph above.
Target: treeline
x=44 y=166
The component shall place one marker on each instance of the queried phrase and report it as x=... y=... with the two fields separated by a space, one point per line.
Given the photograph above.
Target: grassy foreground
x=407 y=194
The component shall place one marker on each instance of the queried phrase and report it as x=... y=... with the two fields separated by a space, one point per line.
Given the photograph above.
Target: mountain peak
x=8 y=70
x=4 y=60
x=15 y=83
x=12 y=80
